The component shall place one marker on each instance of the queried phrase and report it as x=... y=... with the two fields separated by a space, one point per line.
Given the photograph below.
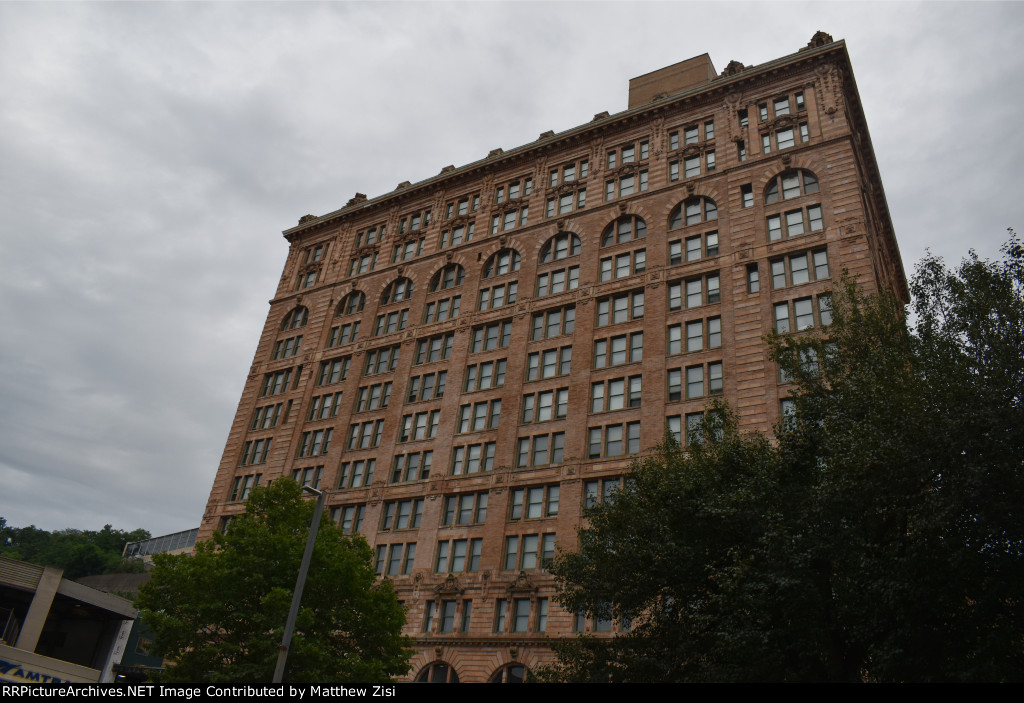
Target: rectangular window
x=373 y=397
x=417 y=426
x=402 y=515
x=797 y=222
x=407 y=250
x=782 y=318
x=540 y=450
x=753 y=279
x=255 y=451
x=390 y=322
x=457 y=235
x=381 y=360
x=804 y=313
x=349 y=518
x=497 y=296
x=545 y=405
x=370 y=236
x=525 y=552
x=620 y=308
x=287 y=347
x=825 y=309
x=549 y=363
x=492 y=336
x=598 y=491
x=464 y=509
x=427 y=387
x=472 y=458
x=343 y=334
x=412 y=467
x=458 y=556
x=622 y=349
x=365 y=435
x=443 y=309
x=534 y=503
x=553 y=323
x=801 y=268
x=697 y=292
x=267 y=416
x=558 y=281
x=395 y=559
x=308 y=477
x=277 y=382
x=315 y=442
x=614 y=440
x=616 y=394
x=243 y=485
x=474 y=417
x=356 y=474
x=489 y=374
x=433 y=349
x=362 y=264
x=623 y=265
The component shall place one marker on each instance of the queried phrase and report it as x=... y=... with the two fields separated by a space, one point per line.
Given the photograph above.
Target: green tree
x=880 y=537
x=78 y=552
x=220 y=613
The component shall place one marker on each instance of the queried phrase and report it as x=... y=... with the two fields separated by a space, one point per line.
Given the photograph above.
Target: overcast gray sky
x=151 y=154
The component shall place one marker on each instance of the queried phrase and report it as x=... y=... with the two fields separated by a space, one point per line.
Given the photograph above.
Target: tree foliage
x=78 y=552
x=880 y=537
x=220 y=613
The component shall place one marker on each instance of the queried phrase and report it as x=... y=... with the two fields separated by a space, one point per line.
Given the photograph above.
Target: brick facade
x=599 y=351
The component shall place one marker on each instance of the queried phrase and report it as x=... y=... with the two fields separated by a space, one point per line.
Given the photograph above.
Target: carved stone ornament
x=732 y=68
x=503 y=240
x=545 y=135
x=513 y=653
x=450 y=586
x=690 y=189
x=622 y=208
x=306 y=218
x=820 y=38
x=569 y=187
x=787 y=159
x=456 y=221
x=448 y=257
x=522 y=584
x=399 y=270
x=561 y=225
x=784 y=121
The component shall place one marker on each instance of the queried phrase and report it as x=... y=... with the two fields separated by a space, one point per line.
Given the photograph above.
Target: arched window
x=502 y=262
x=561 y=246
x=437 y=672
x=624 y=229
x=450 y=276
x=352 y=303
x=693 y=211
x=510 y=673
x=398 y=290
x=295 y=319
x=791 y=184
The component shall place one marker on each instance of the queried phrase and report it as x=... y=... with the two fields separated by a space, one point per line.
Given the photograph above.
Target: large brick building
x=464 y=362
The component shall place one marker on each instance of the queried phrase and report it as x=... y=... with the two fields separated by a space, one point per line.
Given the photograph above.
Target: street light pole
x=300 y=583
